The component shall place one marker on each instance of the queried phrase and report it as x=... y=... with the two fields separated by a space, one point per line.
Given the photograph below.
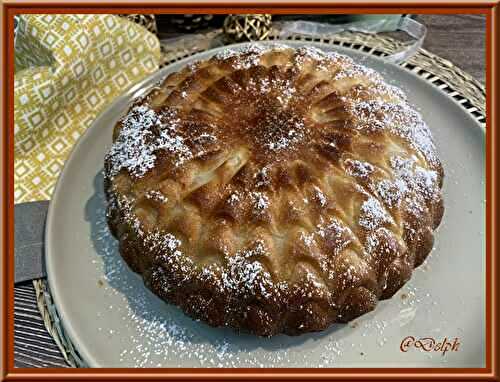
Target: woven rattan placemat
x=459 y=85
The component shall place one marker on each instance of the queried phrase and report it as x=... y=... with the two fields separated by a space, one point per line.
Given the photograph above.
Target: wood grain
x=458 y=38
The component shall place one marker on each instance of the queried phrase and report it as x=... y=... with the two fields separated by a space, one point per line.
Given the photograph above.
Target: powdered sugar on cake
x=398 y=119
x=358 y=168
x=137 y=144
x=276 y=171
x=373 y=214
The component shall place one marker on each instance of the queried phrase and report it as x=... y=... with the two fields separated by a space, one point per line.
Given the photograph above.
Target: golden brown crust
x=274 y=190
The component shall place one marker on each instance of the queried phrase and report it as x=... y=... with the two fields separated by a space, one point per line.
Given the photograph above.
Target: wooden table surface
x=458 y=38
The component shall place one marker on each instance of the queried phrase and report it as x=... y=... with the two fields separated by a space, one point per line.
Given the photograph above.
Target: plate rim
x=137 y=90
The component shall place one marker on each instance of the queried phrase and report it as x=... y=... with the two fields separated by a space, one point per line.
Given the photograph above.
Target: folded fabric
x=67 y=69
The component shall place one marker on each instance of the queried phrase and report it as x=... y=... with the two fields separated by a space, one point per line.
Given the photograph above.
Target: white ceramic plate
x=114 y=321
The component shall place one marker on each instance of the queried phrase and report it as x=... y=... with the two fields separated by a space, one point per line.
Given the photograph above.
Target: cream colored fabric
x=68 y=68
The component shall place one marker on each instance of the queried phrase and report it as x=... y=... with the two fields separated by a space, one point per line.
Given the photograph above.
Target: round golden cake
x=273 y=189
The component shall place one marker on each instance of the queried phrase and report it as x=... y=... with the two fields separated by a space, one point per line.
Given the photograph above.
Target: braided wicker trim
x=53 y=325
x=145 y=20
x=469 y=92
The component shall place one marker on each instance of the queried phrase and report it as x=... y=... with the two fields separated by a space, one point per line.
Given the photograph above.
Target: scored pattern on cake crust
x=274 y=190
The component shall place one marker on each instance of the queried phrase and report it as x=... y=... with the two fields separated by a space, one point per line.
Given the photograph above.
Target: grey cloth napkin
x=29 y=227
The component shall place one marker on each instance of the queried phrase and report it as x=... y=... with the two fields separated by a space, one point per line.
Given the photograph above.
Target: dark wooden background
x=458 y=38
